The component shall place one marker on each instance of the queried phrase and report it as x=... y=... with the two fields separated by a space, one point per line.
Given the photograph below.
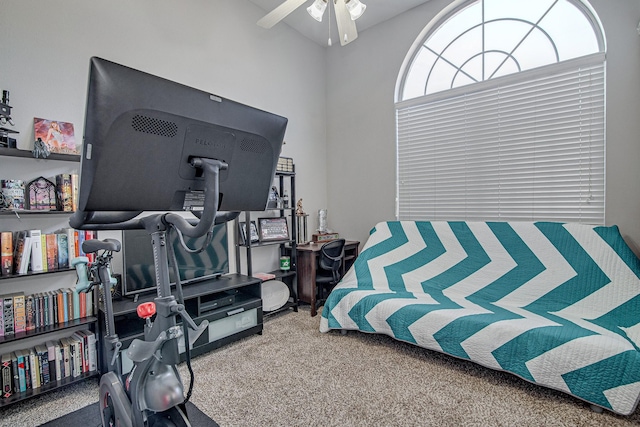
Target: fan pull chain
x=329 y=41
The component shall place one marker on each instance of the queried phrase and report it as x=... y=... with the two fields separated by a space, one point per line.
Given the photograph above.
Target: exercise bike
x=152 y=394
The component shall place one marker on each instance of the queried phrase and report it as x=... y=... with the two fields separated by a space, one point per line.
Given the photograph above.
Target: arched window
x=500 y=114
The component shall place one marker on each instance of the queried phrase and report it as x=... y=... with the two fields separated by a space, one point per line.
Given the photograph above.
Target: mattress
x=556 y=304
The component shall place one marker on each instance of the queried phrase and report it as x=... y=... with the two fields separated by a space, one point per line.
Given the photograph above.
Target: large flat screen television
x=141 y=134
x=138 y=266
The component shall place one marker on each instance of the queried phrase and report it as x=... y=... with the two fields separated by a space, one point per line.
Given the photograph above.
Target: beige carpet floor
x=292 y=375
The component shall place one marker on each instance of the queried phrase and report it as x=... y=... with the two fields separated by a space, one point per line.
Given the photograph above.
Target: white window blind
x=524 y=147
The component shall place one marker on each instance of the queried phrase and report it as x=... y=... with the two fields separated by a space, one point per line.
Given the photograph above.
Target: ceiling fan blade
x=346 y=26
x=279 y=13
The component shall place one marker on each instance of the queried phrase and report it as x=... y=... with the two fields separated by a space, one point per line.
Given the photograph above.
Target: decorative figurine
x=40 y=149
x=299 y=210
x=42 y=195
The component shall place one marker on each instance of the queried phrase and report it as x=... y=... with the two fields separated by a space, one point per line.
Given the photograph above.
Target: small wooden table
x=308 y=264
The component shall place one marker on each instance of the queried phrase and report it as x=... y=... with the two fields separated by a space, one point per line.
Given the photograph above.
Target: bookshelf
x=20 y=164
x=286 y=246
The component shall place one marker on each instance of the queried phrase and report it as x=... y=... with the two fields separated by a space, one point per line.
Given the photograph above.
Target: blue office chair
x=328 y=273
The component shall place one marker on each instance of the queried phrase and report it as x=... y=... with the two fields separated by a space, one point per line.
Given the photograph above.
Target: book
x=36 y=311
x=43 y=363
x=83 y=305
x=60 y=374
x=51 y=308
x=6 y=375
x=88 y=235
x=63 y=250
x=21 y=371
x=52 y=252
x=45 y=309
x=81 y=238
x=18 y=249
x=71 y=245
x=1 y=315
x=34 y=368
x=75 y=185
x=76 y=243
x=30 y=311
x=27 y=368
x=21 y=253
x=65 y=305
x=77 y=355
x=85 y=350
x=52 y=351
x=66 y=357
x=36 y=250
x=264 y=276
x=14 y=368
x=6 y=253
x=25 y=260
x=89 y=299
x=43 y=247
x=64 y=190
x=70 y=311
x=76 y=303
x=7 y=308
x=19 y=313
x=60 y=304
x=90 y=351
x=41 y=309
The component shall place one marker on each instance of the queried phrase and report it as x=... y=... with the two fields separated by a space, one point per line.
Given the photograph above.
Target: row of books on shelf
x=34 y=251
x=54 y=360
x=23 y=313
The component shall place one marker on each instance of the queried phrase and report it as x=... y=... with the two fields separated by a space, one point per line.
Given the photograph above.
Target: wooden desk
x=308 y=263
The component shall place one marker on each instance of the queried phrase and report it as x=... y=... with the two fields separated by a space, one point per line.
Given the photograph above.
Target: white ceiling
x=377 y=12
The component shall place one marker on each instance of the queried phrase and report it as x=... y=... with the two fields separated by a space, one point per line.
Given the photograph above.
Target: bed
x=553 y=303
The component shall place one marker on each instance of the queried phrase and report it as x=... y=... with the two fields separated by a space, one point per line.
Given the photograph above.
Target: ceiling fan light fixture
x=316 y=10
x=355 y=8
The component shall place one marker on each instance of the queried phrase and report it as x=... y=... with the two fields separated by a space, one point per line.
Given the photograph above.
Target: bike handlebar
x=80 y=263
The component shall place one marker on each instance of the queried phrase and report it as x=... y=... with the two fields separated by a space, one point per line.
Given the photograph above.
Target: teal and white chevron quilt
x=556 y=304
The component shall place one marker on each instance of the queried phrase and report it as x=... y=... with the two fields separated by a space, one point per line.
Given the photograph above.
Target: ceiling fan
x=347 y=11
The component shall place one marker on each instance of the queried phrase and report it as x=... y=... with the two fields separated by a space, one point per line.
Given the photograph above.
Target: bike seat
x=95 y=245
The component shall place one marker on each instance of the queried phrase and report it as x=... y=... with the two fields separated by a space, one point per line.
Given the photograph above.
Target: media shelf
x=203 y=301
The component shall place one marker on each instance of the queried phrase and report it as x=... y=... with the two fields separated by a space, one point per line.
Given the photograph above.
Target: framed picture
x=253 y=230
x=57 y=136
x=272 y=229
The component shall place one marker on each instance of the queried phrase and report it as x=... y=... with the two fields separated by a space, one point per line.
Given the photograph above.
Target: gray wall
x=211 y=45
x=361 y=120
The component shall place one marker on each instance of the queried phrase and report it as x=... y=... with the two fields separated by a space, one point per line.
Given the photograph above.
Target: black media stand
x=231 y=304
